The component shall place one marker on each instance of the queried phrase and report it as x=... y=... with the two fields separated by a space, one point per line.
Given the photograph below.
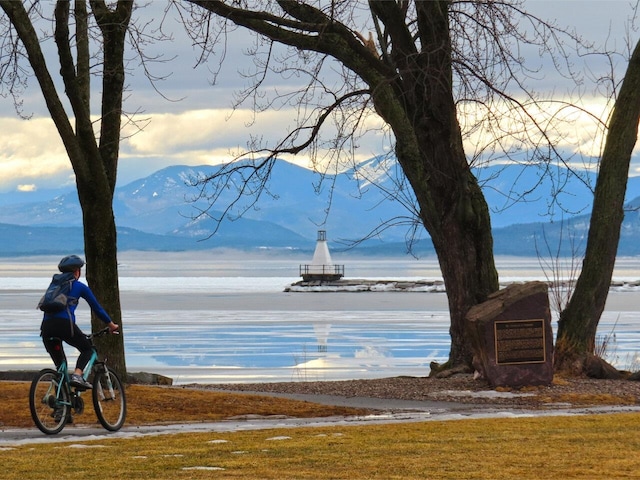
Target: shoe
x=79 y=382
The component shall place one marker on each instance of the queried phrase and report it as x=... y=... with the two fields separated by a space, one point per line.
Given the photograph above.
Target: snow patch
x=483 y=394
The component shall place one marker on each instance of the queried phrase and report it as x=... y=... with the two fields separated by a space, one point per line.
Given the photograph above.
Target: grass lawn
x=586 y=447
x=559 y=447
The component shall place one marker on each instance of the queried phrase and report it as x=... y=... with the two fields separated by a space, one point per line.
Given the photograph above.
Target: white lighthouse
x=321 y=267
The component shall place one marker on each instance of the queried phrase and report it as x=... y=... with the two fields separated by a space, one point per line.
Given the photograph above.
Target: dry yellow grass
x=579 y=447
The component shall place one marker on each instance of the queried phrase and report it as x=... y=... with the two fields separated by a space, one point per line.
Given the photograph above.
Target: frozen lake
x=210 y=319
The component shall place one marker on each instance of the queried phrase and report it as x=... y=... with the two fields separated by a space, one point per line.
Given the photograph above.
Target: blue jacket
x=80 y=290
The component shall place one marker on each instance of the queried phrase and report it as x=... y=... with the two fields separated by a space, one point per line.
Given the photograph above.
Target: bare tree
x=94 y=157
x=578 y=322
x=421 y=67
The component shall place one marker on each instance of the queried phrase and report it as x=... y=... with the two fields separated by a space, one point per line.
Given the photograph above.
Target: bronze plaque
x=520 y=341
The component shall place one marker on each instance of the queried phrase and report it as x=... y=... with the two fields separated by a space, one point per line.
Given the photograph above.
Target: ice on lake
x=212 y=320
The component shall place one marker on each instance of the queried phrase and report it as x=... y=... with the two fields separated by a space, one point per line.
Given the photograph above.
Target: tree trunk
x=452 y=206
x=102 y=269
x=465 y=252
x=99 y=221
x=578 y=322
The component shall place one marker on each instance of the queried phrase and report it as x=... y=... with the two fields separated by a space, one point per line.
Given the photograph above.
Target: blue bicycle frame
x=63 y=370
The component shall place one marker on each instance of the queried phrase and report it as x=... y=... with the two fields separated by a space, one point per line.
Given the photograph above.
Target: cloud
x=203 y=129
x=214 y=136
x=31 y=152
x=196 y=130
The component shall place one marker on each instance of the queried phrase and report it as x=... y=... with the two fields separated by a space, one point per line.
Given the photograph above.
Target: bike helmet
x=70 y=263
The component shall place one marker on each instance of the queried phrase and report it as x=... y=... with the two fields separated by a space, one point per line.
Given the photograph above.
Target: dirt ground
x=462 y=389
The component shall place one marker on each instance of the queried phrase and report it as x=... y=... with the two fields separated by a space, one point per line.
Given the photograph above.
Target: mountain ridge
x=163 y=212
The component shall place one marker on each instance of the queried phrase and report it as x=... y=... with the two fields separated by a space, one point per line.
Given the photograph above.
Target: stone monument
x=511 y=336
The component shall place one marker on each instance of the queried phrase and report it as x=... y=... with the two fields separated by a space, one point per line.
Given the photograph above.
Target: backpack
x=56 y=298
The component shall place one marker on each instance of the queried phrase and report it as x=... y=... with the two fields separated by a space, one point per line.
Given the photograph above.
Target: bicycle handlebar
x=102 y=332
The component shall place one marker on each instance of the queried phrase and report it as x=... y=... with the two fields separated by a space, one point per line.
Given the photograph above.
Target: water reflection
x=251 y=346
x=312 y=345
x=214 y=346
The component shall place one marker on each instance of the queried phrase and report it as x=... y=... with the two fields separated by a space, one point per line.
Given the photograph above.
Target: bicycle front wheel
x=49 y=402
x=109 y=399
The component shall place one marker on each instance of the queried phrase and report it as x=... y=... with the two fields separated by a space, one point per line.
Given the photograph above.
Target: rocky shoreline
x=364 y=285
x=430 y=286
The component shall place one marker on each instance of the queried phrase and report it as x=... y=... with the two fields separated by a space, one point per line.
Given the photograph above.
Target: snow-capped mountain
x=166 y=209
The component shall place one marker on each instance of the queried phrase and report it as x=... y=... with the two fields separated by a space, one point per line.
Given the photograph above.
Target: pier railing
x=321 y=272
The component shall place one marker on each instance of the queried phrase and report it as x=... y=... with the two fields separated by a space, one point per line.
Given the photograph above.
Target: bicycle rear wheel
x=49 y=404
x=109 y=399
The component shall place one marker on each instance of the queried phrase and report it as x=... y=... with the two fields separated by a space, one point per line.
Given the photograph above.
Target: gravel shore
x=563 y=392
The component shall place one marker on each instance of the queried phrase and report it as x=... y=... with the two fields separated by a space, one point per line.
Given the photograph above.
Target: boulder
x=511 y=336
x=146 y=378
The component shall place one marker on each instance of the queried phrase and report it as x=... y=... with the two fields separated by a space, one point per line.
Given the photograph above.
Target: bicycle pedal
x=78 y=405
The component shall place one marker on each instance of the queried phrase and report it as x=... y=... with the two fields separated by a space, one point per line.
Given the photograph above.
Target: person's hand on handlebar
x=113 y=327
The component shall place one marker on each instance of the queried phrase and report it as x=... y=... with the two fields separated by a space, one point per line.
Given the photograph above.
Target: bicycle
x=52 y=397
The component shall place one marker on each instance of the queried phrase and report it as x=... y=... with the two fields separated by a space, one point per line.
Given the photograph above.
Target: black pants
x=56 y=330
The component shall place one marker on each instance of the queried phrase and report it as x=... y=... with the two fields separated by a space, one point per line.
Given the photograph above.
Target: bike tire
x=109 y=399
x=49 y=410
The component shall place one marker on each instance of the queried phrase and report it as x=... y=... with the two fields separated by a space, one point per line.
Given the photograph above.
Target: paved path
x=390 y=411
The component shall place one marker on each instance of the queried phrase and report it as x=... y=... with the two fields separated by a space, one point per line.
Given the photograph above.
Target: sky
x=192 y=122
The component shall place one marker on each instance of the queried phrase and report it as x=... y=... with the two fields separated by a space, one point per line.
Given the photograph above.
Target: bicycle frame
x=63 y=370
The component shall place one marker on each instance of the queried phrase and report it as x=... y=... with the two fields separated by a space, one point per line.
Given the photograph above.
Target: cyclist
x=62 y=325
